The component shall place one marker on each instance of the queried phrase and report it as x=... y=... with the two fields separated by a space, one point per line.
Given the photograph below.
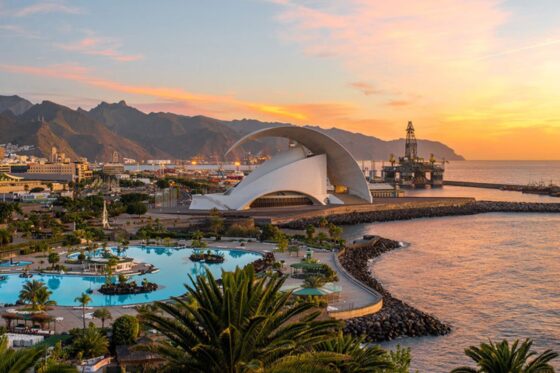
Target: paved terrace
x=282 y=215
x=353 y=294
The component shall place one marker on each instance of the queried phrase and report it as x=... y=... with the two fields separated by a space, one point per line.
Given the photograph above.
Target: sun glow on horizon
x=478 y=75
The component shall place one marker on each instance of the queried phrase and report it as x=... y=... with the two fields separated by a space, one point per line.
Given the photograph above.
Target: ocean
x=499 y=172
x=490 y=276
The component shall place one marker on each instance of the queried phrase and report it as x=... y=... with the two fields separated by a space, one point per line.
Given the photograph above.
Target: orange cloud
x=204 y=101
x=340 y=114
x=475 y=81
x=398 y=103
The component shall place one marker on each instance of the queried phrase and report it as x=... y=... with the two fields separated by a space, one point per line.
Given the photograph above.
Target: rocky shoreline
x=396 y=318
x=470 y=208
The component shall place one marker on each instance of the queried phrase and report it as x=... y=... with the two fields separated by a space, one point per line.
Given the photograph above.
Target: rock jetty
x=396 y=318
x=471 y=208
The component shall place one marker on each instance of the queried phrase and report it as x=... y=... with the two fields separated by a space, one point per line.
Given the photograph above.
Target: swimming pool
x=14 y=263
x=174 y=269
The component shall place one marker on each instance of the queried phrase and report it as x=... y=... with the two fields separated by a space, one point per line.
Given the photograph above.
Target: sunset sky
x=482 y=76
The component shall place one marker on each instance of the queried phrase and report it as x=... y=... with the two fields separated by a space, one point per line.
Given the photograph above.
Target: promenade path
x=353 y=294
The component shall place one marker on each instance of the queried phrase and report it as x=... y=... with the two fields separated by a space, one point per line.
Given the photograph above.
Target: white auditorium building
x=315 y=170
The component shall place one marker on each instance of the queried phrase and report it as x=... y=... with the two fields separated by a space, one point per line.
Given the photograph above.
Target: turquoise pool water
x=174 y=265
x=15 y=263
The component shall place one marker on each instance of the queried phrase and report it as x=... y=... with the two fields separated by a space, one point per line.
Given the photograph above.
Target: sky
x=481 y=76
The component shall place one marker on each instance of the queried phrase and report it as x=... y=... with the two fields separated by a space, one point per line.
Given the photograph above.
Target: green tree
x=282 y=244
x=32 y=291
x=400 y=358
x=359 y=357
x=197 y=240
x=89 y=343
x=269 y=232
x=162 y=183
x=5 y=237
x=12 y=361
x=136 y=208
x=122 y=279
x=505 y=358
x=109 y=270
x=314 y=281
x=216 y=222
x=125 y=330
x=335 y=231
x=7 y=209
x=83 y=300
x=42 y=298
x=102 y=314
x=246 y=322
x=53 y=259
x=310 y=232
x=321 y=237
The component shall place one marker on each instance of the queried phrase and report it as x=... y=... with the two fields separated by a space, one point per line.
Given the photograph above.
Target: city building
x=384 y=190
x=298 y=176
x=13 y=184
x=74 y=171
x=113 y=169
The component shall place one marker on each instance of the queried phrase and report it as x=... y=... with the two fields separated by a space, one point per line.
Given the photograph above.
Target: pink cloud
x=98 y=46
x=364 y=87
x=192 y=103
x=46 y=7
x=393 y=34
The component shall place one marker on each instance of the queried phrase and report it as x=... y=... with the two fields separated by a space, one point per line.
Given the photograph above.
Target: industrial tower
x=412 y=170
x=411 y=146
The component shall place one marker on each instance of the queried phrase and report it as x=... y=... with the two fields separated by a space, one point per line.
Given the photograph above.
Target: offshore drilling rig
x=411 y=170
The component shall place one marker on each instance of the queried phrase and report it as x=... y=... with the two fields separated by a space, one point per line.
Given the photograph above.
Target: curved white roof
x=342 y=169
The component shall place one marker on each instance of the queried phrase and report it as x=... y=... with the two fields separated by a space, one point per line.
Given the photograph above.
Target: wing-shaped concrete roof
x=342 y=169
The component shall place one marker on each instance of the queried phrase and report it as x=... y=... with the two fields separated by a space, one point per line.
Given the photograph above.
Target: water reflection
x=489 y=276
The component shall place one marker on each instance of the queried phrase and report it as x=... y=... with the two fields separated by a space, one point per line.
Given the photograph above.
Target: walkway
x=353 y=295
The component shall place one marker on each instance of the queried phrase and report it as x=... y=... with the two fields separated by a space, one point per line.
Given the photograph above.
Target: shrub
x=136 y=208
x=125 y=330
x=238 y=230
x=70 y=239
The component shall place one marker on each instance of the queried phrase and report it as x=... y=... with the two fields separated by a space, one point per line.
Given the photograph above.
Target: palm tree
x=90 y=343
x=43 y=298
x=30 y=292
x=102 y=314
x=501 y=357
x=83 y=300
x=17 y=361
x=247 y=322
x=359 y=358
x=314 y=282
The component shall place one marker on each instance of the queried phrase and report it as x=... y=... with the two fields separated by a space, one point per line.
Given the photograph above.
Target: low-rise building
x=12 y=184
x=113 y=169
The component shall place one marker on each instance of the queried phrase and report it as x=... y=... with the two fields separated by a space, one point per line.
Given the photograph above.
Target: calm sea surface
x=490 y=276
x=505 y=172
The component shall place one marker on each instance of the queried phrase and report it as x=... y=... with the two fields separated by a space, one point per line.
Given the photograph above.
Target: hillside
x=14 y=104
x=96 y=133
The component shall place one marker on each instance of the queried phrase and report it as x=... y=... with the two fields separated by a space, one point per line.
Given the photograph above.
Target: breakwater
x=407 y=212
x=396 y=318
x=474 y=184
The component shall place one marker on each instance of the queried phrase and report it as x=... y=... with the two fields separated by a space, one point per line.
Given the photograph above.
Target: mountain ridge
x=97 y=132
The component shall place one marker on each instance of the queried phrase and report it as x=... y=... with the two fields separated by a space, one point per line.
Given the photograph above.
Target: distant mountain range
x=96 y=133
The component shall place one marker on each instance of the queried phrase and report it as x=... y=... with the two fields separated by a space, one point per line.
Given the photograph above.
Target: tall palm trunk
x=84 y=315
